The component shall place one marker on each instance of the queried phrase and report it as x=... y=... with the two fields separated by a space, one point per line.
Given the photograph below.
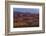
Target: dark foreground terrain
x=26 y=19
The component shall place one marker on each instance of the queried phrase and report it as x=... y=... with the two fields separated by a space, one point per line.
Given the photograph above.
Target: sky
x=31 y=10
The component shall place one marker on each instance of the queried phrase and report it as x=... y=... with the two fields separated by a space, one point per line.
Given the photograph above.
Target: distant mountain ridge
x=24 y=13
